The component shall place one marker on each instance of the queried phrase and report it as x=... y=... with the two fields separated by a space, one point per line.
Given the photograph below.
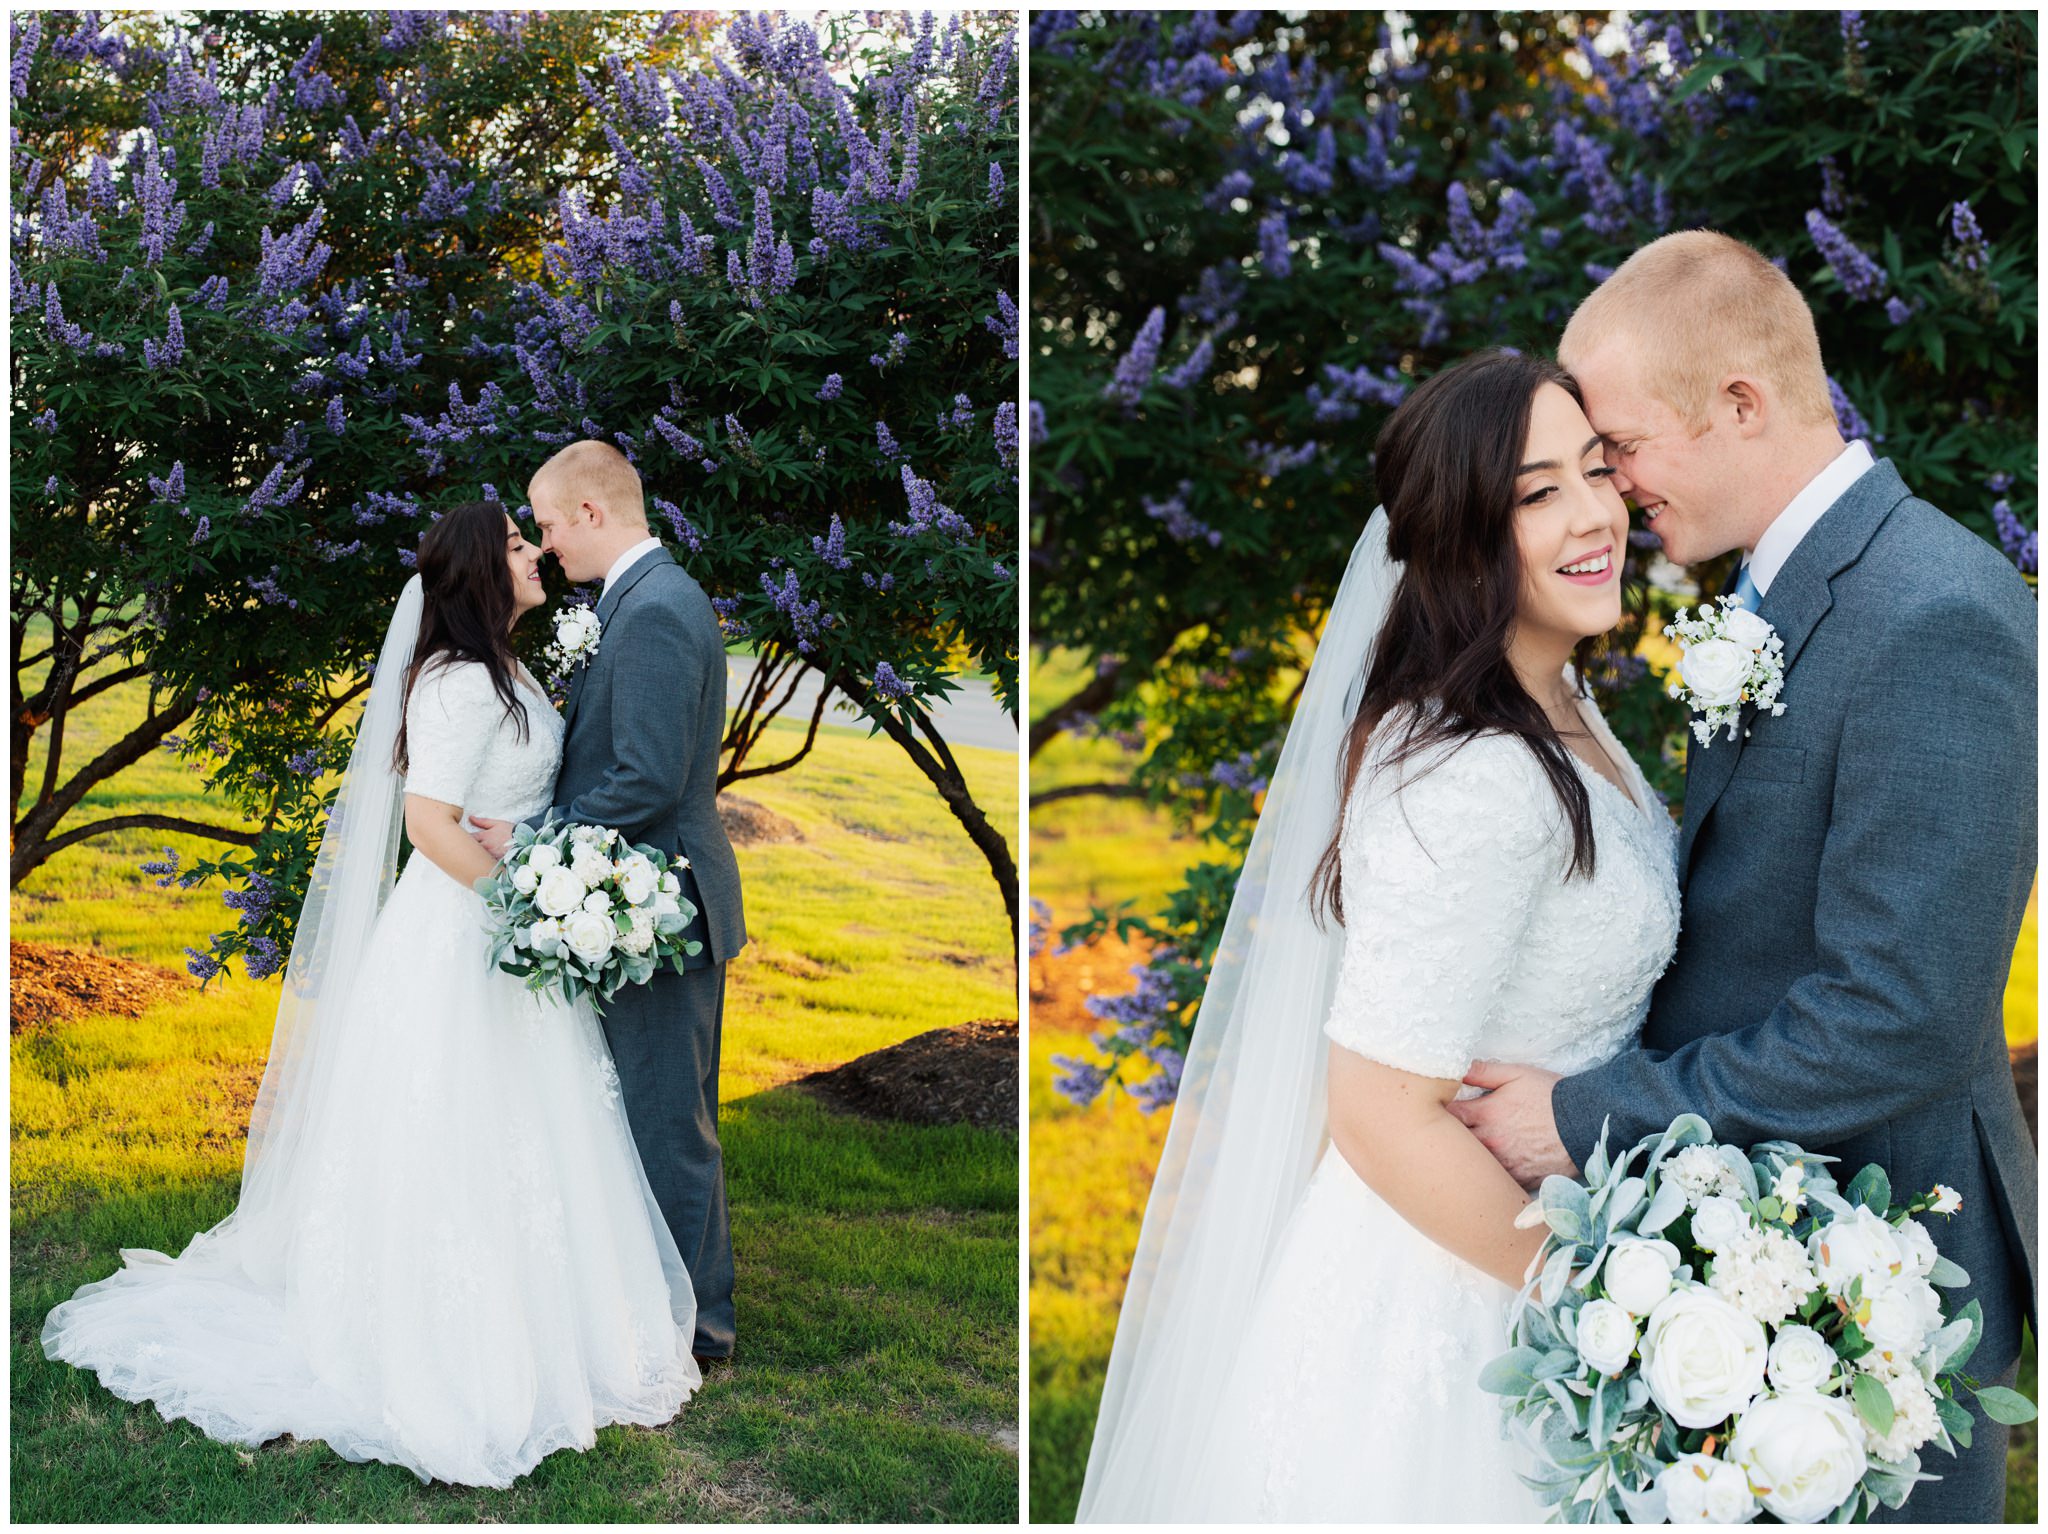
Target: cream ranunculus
x=1903 y=1315
x=1638 y=1274
x=1745 y=628
x=637 y=878
x=1718 y=1222
x=1701 y=1489
x=1856 y=1245
x=1800 y=1359
x=1803 y=1454
x=1606 y=1335
x=560 y=892
x=543 y=857
x=1714 y=669
x=1702 y=1358
x=589 y=936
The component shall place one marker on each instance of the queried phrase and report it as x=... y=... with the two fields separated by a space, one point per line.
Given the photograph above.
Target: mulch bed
x=963 y=1075
x=47 y=983
x=749 y=823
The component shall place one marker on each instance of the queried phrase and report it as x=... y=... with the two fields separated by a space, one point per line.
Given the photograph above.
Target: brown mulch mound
x=963 y=1075
x=2026 y=1078
x=46 y=983
x=749 y=824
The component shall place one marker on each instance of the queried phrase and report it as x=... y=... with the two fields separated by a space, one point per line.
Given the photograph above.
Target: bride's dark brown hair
x=467 y=611
x=1446 y=464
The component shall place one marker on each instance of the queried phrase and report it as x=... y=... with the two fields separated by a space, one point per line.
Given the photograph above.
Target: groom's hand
x=1514 y=1121
x=494 y=835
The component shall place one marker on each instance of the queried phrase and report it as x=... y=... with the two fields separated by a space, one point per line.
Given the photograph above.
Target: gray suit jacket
x=1855 y=872
x=645 y=719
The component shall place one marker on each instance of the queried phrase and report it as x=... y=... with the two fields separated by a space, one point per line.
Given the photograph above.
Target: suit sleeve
x=1924 y=871
x=652 y=669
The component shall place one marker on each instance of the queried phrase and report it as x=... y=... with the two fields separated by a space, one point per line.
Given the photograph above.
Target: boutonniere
x=576 y=636
x=1727 y=656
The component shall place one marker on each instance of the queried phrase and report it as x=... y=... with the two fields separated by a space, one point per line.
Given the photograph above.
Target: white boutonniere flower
x=1727 y=657
x=576 y=636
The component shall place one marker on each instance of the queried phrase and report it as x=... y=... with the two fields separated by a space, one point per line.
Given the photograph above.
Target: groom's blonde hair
x=590 y=470
x=1699 y=306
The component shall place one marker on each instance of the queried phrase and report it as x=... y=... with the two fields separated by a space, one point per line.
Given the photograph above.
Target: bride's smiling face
x=1570 y=524
x=524 y=560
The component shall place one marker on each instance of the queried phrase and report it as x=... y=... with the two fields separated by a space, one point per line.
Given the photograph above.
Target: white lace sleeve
x=449 y=721
x=1440 y=880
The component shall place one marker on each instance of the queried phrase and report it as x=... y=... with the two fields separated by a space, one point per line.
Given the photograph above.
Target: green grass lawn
x=1092 y=1168
x=877 y=1264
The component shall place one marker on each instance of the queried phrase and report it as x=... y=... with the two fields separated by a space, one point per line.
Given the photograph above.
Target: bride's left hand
x=1514 y=1121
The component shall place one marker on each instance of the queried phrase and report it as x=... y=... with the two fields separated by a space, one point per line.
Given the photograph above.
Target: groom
x=1854 y=871
x=645 y=719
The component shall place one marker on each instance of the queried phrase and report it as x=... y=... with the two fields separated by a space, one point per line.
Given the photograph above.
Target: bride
x=445 y=1254
x=1327 y=1255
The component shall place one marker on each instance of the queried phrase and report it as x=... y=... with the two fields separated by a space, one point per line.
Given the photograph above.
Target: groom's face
x=1677 y=479
x=568 y=534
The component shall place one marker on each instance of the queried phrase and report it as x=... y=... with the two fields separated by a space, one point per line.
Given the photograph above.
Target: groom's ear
x=1747 y=399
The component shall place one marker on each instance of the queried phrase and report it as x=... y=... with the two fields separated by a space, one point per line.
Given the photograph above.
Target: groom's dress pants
x=664 y=1038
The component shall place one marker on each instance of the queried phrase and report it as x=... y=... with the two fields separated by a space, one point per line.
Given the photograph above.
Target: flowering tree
x=355 y=281
x=1288 y=221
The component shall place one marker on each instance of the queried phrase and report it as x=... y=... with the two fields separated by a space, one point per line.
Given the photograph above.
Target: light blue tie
x=1745 y=590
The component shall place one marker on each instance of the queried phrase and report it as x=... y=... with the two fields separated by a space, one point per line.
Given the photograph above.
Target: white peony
x=1638 y=1273
x=598 y=903
x=1856 y=1245
x=1918 y=1246
x=1606 y=1335
x=1701 y=1489
x=560 y=892
x=1718 y=1221
x=1702 y=1358
x=1903 y=1315
x=524 y=879
x=1745 y=628
x=1800 y=1359
x=1803 y=1454
x=637 y=879
x=1914 y=1421
x=545 y=935
x=1715 y=670
x=588 y=935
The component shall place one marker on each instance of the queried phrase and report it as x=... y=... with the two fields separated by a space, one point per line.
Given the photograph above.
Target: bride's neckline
x=1589 y=716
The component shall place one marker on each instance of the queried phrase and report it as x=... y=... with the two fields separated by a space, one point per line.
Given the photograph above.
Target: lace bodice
x=1464 y=939
x=462 y=747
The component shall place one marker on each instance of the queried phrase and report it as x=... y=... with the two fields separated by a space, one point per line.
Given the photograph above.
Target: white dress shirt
x=626 y=561
x=1797 y=519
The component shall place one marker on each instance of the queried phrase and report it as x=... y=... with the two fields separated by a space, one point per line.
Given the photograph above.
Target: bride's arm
x=436 y=832
x=1392 y=1127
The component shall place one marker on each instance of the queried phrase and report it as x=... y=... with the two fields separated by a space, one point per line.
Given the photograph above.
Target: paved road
x=968 y=717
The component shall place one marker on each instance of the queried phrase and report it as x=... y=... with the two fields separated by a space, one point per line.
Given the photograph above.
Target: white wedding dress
x=1351 y=1393
x=465 y=1269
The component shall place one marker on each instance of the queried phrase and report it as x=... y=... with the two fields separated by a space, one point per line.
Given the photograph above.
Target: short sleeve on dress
x=1443 y=860
x=449 y=721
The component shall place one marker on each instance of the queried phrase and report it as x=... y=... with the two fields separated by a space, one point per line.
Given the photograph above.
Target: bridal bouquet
x=1710 y=1334
x=578 y=909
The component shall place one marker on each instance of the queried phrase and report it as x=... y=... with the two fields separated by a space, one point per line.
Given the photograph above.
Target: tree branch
x=148 y=823
x=1085 y=790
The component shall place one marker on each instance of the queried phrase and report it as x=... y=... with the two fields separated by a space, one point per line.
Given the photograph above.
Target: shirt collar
x=1797 y=519
x=627 y=560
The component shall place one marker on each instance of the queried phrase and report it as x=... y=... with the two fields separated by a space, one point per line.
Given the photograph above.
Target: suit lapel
x=606 y=606
x=1799 y=598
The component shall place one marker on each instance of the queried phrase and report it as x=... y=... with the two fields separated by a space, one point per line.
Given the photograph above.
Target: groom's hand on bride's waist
x=1513 y=1120
x=493 y=835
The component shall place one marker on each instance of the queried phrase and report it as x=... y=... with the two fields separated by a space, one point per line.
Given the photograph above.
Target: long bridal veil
x=1250 y=1120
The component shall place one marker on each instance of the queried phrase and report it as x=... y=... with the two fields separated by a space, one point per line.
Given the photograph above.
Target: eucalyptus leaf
x=2003 y=1405
x=1873 y=1403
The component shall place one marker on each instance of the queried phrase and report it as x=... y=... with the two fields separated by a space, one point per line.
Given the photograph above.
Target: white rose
x=1715 y=669
x=524 y=879
x=1803 y=1454
x=1918 y=1246
x=666 y=905
x=1856 y=1245
x=1800 y=1359
x=545 y=935
x=1701 y=1489
x=637 y=879
x=1903 y=1315
x=1702 y=1358
x=543 y=857
x=1745 y=628
x=1606 y=1335
x=560 y=892
x=1946 y=1199
x=1719 y=1222
x=671 y=885
x=598 y=903
x=588 y=935
x=1638 y=1274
